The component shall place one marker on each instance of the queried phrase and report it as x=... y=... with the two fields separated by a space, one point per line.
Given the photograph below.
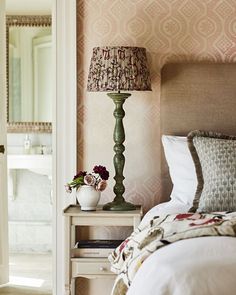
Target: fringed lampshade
x=116 y=68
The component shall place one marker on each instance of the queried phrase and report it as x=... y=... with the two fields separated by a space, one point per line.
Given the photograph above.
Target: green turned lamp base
x=119 y=203
x=119 y=206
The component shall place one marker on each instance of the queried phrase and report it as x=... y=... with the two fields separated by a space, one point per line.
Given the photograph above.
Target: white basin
x=35 y=162
x=41 y=164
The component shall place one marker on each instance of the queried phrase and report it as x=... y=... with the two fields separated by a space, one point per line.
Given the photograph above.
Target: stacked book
x=95 y=248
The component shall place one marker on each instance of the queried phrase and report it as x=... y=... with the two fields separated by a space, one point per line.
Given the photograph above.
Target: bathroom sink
x=17 y=158
x=41 y=164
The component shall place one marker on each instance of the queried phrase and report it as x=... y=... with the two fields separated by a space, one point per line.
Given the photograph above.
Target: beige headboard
x=196 y=96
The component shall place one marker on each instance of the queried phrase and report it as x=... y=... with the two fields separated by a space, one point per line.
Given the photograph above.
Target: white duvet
x=200 y=266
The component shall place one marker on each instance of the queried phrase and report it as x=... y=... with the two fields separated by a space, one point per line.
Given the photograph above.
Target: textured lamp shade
x=115 y=68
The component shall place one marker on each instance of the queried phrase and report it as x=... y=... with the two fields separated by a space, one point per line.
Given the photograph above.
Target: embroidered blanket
x=161 y=231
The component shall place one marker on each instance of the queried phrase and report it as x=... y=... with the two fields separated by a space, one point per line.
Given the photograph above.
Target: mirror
x=29 y=73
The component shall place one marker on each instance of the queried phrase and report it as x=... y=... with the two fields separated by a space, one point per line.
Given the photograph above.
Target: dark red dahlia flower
x=80 y=173
x=102 y=171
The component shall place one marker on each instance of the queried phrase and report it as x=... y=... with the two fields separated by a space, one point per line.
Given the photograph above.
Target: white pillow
x=181 y=168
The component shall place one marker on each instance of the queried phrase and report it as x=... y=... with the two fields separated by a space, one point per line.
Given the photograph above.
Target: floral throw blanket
x=159 y=232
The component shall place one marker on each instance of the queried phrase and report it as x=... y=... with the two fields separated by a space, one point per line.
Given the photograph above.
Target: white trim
x=64 y=122
x=4 y=258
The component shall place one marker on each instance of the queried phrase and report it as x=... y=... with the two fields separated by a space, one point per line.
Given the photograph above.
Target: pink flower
x=182 y=216
x=101 y=185
x=89 y=179
x=68 y=188
x=123 y=244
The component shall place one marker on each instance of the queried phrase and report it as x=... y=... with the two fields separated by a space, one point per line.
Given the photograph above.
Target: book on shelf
x=95 y=248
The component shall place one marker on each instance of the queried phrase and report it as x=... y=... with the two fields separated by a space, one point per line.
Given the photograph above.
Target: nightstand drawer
x=86 y=267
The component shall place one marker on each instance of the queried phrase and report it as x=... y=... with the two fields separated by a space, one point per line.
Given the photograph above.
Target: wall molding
x=64 y=123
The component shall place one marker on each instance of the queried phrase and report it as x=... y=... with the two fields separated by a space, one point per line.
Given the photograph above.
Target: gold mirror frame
x=31 y=21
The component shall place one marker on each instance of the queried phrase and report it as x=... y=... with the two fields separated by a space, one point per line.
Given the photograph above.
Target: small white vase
x=88 y=197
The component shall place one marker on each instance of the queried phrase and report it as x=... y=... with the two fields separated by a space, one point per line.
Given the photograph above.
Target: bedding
x=200 y=266
x=170 y=207
x=184 y=253
x=214 y=155
x=162 y=231
x=181 y=168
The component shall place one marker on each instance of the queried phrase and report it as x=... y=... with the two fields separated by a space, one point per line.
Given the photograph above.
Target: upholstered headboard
x=196 y=96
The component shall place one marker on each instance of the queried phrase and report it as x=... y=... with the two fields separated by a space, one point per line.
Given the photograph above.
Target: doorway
x=64 y=136
x=30 y=227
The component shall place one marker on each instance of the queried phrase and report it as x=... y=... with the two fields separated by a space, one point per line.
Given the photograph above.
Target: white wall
x=32 y=7
x=37 y=139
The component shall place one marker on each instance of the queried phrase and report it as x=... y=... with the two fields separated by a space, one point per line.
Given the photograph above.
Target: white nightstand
x=91 y=267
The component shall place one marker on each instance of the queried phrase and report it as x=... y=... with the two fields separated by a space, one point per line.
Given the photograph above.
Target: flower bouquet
x=98 y=179
x=89 y=186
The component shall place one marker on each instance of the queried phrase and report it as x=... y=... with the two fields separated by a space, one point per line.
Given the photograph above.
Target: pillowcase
x=214 y=156
x=181 y=168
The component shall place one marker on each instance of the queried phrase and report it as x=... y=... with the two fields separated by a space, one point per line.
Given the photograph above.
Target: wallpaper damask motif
x=171 y=30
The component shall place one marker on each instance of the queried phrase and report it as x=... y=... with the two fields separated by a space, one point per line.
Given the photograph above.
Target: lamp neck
x=118 y=96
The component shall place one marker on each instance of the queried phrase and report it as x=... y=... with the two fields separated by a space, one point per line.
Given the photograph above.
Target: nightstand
x=91 y=267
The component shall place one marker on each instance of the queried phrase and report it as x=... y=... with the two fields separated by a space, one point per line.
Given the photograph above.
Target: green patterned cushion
x=214 y=156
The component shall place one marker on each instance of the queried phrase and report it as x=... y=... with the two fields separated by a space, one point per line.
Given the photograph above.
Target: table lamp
x=114 y=69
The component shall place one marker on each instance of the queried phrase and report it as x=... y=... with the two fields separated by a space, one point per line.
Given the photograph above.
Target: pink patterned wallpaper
x=171 y=30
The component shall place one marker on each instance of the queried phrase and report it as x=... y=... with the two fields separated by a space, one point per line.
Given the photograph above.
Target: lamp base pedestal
x=119 y=206
x=119 y=203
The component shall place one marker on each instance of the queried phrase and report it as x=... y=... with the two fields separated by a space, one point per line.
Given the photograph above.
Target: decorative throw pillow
x=214 y=156
x=181 y=168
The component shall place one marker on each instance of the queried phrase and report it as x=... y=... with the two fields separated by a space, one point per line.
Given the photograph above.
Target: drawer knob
x=102 y=268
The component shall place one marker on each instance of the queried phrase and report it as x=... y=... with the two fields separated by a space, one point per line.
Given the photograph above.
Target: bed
x=193 y=97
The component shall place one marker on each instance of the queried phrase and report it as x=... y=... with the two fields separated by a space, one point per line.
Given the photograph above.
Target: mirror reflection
x=29 y=69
